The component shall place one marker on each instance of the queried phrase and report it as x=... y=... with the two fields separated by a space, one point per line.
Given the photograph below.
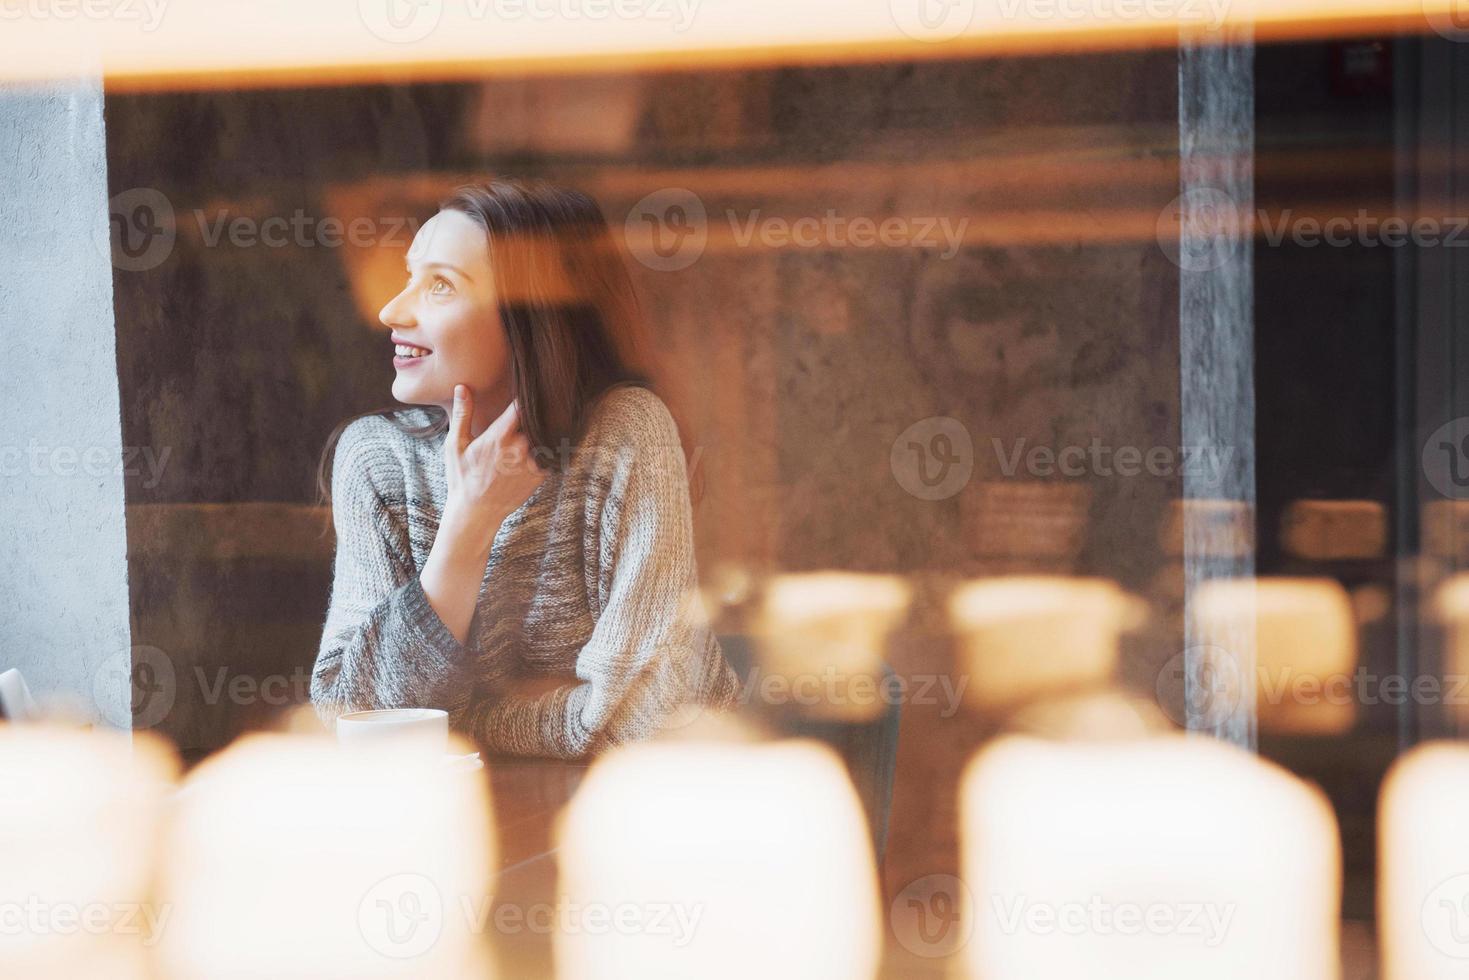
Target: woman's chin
x=413 y=394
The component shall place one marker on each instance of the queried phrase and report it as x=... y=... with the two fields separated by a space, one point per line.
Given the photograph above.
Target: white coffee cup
x=409 y=731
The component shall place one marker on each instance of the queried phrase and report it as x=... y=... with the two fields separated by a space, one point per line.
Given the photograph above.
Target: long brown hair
x=568 y=309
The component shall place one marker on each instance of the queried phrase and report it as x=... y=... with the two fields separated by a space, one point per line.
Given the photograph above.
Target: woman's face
x=445 y=323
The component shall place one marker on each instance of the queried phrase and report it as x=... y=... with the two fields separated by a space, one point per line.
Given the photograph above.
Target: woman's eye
x=441 y=281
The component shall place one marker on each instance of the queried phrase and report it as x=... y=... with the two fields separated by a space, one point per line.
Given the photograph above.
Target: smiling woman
x=528 y=518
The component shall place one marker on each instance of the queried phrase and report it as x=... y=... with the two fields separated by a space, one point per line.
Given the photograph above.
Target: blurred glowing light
x=752 y=860
x=1303 y=631
x=1423 y=865
x=1026 y=637
x=826 y=633
x=288 y=858
x=79 y=820
x=1153 y=860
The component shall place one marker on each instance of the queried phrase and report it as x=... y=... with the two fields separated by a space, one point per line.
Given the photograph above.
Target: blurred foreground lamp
x=826 y=633
x=1303 y=632
x=1023 y=638
x=79 y=819
x=1423 y=865
x=1153 y=860
x=288 y=858
x=717 y=860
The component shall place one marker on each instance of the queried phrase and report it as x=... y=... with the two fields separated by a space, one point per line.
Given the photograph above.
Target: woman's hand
x=489 y=475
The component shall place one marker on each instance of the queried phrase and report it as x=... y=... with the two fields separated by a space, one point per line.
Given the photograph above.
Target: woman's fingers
x=459 y=417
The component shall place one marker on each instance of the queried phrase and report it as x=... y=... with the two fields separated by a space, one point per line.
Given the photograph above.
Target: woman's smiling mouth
x=407 y=354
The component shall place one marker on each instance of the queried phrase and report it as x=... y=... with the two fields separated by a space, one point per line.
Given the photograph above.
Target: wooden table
x=528 y=796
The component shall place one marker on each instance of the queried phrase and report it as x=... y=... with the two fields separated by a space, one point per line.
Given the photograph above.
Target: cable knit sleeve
x=383 y=645
x=647 y=657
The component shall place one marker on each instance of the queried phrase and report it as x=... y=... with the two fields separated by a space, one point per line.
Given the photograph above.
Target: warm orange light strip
x=149 y=44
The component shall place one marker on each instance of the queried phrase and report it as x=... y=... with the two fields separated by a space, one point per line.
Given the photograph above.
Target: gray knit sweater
x=590 y=579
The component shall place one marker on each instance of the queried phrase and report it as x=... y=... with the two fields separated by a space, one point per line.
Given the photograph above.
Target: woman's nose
x=396 y=313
